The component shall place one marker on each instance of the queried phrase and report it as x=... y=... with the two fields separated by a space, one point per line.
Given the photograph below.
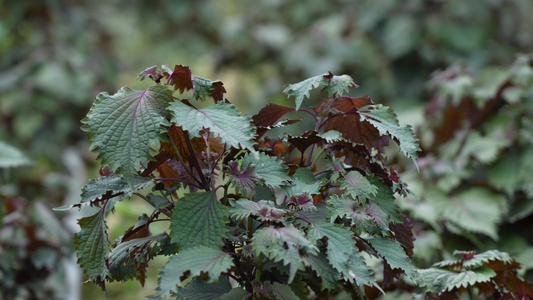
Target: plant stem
x=250 y=227
x=181 y=160
x=225 y=198
x=258 y=269
x=195 y=161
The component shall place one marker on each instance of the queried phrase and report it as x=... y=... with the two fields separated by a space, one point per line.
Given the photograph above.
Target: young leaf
x=264 y=210
x=344 y=207
x=125 y=128
x=199 y=219
x=393 y=254
x=384 y=119
x=181 y=78
x=270 y=169
x=154 y=72
x=205 y=87
x=245 y=179
x=301 y=89
x=358 y=186
x=222 y=119
x=333 y=85
x=283 y=244
x=342 y=253
x=303 y=181
x=336 y=85
x=193 y=261
x=200 y=290
x=92 y=246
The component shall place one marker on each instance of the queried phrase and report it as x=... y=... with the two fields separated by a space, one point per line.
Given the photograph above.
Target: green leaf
x=342 y=253
x=92 y=246
x=484 y=148
x=283 y=292
x=385 y=120
x=196 y=260
x=204 y=87
x=336 y=85
x=12 y=157
x=237 y=293
x=199 y=219
x=112 y=188
x=301 y=89
x=125 y=128
x=439 y=280
x=200 y=290
x=476 y=210
x=356 y=185
x=222 y=119
x=332 y=136
x=311 y=217
x=393 y=254
x=344 y=207
x=303 y=180
x=264 y=210
x=269 y=168
x=478 y=260
x=283 y=244
x=121 y=260
x=333 y=85
x=385 y=200
x=115 y=185
x=329 y=276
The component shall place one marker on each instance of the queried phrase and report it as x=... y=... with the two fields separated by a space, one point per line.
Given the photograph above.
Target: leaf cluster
x=474 y=183
x=284 y=216
x=491 y=273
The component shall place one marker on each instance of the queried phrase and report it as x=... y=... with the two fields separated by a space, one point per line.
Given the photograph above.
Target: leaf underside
x=92 y=246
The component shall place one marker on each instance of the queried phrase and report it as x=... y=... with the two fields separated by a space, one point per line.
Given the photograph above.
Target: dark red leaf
x=349 y=124
x=178 y=137
x=218 y=91
x=403 y=233
x=302 y=142
x=269 y=114
x=153 y=72
x=181 y=78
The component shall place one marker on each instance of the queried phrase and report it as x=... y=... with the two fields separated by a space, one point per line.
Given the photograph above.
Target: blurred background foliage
x=56 y=56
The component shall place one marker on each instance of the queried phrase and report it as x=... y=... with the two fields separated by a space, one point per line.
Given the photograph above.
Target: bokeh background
x=56 y=56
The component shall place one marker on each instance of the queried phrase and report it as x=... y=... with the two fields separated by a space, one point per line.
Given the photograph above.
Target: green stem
x=318 y=156
x=259 y=266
